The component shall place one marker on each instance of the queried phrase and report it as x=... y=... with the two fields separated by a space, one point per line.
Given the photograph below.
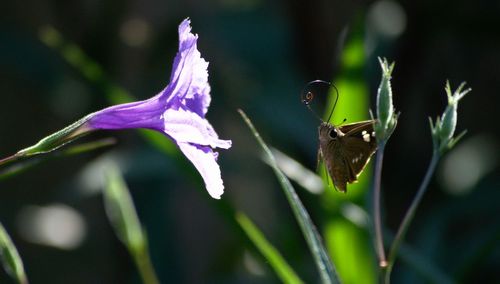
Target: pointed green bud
x=386 y=116
x=444 y=128
x=384 y=94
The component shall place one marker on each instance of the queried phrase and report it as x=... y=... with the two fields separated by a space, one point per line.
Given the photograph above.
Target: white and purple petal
x=189 y=79
x=205 y=161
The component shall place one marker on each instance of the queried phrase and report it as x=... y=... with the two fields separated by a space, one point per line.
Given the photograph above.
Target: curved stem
x=377 y=219
x=403 y=228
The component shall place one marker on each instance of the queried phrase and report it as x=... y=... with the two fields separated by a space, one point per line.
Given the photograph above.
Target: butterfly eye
x=333 y=133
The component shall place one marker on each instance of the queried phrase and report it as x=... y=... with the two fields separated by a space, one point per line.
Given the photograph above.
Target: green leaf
x=277 y=262
x=123 y=216
x=313 y=239
x=11 y=260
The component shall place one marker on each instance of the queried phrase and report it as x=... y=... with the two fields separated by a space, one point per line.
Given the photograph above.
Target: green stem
x=272 y=255
x=403 y=228
x=9 y=159
x=377 y=219
x=59 y=138
x=146 y=269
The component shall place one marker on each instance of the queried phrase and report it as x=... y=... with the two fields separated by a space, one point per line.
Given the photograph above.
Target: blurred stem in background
x=9 y=256
x=125 y=222
x=93 y=72
x=349 y=243
x=279 y=264
x=123 y=217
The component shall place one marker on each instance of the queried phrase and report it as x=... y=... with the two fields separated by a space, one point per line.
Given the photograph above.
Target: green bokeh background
x=261 y=54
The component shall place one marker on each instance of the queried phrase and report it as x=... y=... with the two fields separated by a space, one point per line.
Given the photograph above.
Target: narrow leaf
x=123 y=217
x=277 y=262
x=10 y=258
x=323 y=262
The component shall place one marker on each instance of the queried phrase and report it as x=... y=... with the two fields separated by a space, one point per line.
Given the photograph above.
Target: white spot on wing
x=366 y=136
x=357 y=159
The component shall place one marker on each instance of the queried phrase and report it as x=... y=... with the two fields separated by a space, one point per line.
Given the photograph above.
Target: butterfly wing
x=336 y=164
x=352 y=128
x=330 y=149
x=357 y=154
x=359 y=144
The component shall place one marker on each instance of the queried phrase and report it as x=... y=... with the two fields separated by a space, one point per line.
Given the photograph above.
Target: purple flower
x=178 y=112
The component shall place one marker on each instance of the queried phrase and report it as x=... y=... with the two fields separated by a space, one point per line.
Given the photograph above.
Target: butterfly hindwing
x=357 y=152
x=336 y=165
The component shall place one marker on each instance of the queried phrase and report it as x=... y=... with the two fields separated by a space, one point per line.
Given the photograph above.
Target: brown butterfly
x=346 y=149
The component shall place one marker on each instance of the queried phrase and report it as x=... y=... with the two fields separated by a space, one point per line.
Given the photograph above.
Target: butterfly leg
x=318 y=159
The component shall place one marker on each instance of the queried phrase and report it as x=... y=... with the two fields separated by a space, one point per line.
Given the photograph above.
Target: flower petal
x=204 y=160
x=189 y=79
x=141 y=114
x=183 y=125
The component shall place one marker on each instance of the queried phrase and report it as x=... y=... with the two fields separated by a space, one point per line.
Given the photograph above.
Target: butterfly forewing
x=357 y=127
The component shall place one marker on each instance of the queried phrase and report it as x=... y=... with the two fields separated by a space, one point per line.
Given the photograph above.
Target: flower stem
x=377 y=220
x=403 y=228
x=8 y=159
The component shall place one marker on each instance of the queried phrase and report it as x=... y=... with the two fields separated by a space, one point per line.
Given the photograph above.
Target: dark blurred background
x=261 y=54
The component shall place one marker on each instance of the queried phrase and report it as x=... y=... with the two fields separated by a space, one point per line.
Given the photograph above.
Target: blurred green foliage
x=11 y=261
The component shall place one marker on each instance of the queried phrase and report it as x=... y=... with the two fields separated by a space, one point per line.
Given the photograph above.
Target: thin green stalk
x=377 y=219
x=9 y=159
x=125 y=221
x=145 y=267
x=403 y=228
x=325 y=266
x=32 y=161
x=277 y=262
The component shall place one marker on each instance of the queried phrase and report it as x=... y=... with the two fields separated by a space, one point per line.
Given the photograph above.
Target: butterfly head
x=328 y=132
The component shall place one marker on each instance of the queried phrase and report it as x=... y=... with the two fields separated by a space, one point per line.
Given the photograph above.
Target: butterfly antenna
x=335 y=103
x=308 y=96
